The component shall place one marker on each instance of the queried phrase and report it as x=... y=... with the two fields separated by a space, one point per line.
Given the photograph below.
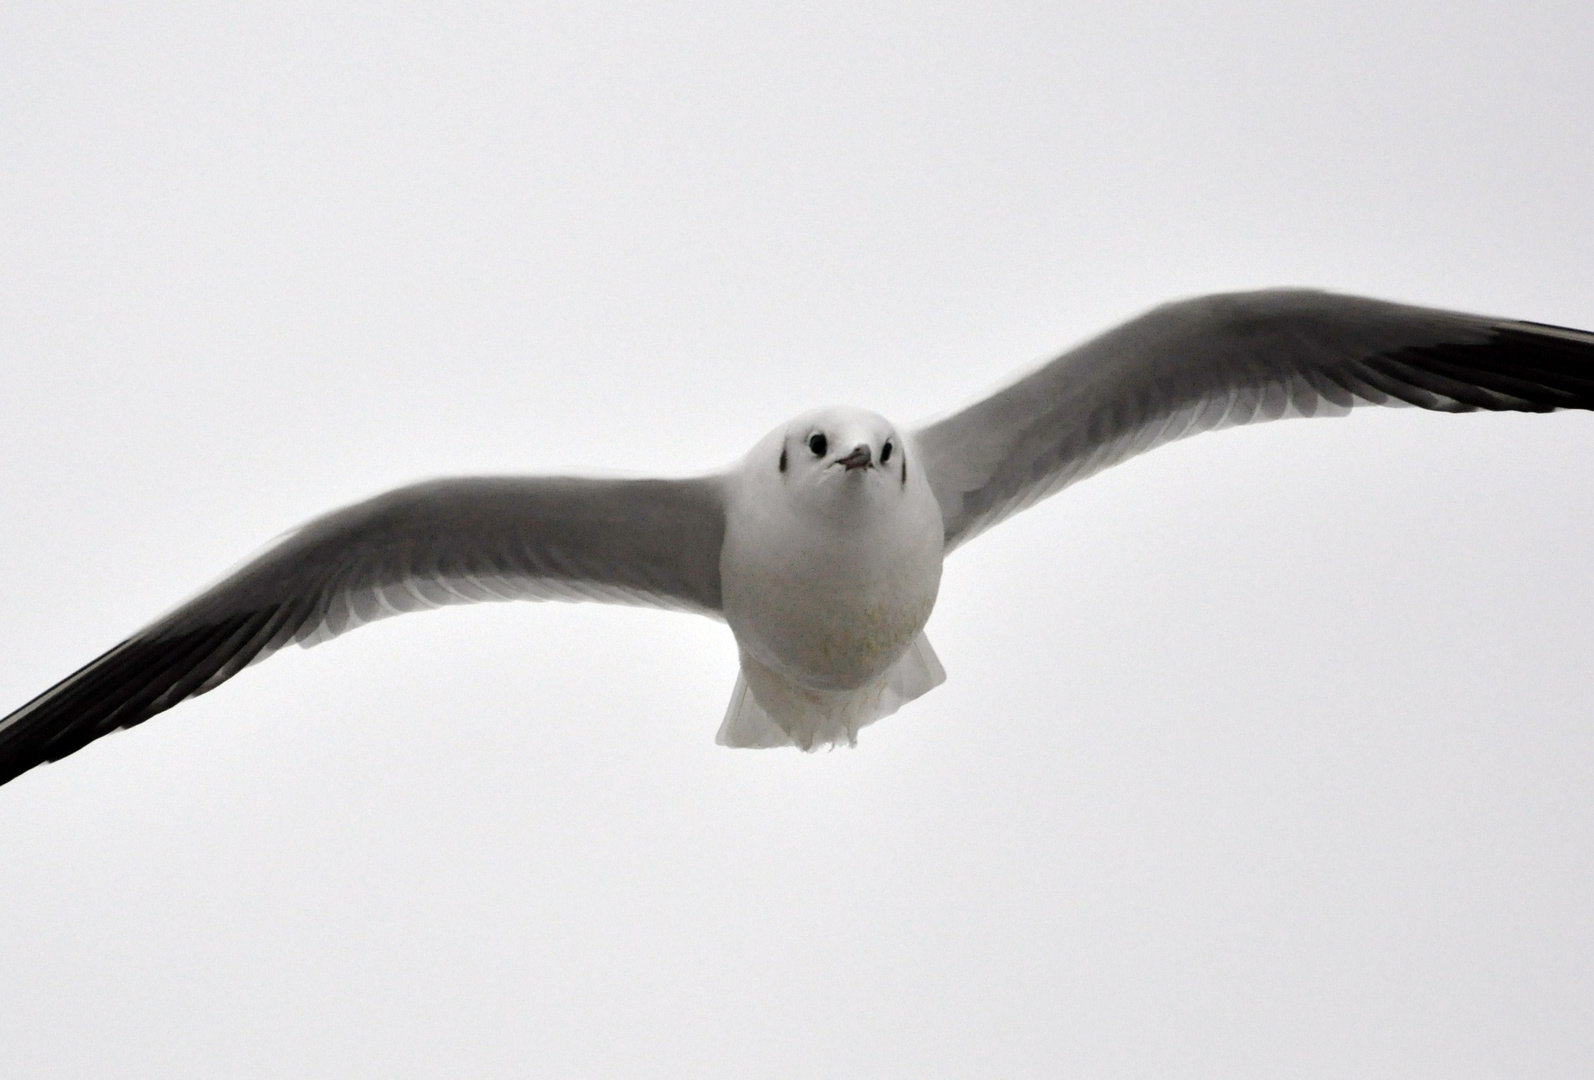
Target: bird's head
x=837 y=461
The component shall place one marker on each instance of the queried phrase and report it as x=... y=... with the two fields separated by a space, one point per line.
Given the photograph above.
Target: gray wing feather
x=654 y=542
x=1239 y=358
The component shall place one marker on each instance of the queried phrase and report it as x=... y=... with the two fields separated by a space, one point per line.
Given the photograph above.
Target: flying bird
x=822 y=548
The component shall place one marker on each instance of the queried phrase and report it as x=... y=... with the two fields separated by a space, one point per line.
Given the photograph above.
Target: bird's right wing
x=1238 y=358
x=455 y=541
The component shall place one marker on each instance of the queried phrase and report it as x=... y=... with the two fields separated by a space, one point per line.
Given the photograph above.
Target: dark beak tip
x=858 y=459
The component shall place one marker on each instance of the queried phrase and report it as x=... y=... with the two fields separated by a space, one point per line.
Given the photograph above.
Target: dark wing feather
x=445 y=542
x=1238 y=358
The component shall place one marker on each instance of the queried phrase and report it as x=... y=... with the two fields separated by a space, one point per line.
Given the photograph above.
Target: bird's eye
x=818 y=443
x=885 y=453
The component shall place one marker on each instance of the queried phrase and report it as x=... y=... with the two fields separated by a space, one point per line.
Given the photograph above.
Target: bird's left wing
x=1236 y=358
x=457 y=541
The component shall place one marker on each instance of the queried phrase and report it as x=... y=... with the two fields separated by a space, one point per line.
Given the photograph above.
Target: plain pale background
x=1267 y=754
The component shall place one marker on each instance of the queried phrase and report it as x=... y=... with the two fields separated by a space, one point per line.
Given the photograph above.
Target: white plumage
x=822 y=548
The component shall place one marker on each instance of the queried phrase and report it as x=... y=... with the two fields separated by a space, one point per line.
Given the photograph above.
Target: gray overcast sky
x=1266 y=754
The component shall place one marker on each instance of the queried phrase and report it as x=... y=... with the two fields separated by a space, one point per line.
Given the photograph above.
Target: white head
x=837 y=462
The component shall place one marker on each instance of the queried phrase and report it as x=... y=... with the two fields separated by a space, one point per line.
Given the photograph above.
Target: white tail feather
x=767 y=709
x=747 y=725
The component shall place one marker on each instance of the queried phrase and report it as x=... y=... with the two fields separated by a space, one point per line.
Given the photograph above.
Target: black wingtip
x=140 y=678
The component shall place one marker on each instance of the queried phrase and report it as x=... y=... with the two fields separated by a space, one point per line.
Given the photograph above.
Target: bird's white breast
x=830 y=601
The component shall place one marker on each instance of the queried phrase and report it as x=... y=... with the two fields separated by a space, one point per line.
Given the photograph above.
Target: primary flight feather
x=822 y=547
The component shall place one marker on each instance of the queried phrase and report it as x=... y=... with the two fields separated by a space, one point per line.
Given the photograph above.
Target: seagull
x=822 y=547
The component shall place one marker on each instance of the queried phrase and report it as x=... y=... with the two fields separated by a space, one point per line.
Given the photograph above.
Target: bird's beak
x=858 y=459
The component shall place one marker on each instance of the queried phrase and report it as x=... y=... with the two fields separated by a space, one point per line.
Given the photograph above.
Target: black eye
x=818 y=443
x=885 y=453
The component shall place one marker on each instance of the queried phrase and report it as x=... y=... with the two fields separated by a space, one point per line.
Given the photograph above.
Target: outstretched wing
x=444 y=542
x=1237 y=358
